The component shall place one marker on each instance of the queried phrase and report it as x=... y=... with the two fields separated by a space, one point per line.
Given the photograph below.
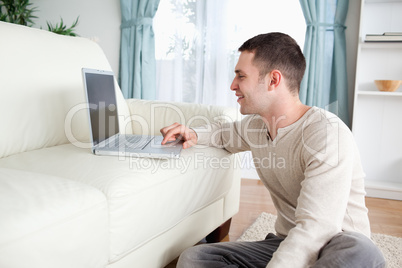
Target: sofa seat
x=51 y=213
x=146 y=197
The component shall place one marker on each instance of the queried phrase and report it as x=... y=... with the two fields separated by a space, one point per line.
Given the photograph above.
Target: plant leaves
x=62 y=28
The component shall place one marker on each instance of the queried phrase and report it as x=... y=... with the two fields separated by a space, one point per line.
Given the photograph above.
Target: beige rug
x=390 y=246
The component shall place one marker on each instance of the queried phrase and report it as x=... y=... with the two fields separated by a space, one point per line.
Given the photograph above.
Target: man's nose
x=234 y=85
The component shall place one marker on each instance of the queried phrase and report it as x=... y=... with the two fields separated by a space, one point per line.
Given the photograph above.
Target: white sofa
x=62 y=206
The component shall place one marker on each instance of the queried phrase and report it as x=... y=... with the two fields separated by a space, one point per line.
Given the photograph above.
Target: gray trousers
x=346 y=249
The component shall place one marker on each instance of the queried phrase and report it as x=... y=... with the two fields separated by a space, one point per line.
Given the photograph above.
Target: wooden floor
x=385 y=215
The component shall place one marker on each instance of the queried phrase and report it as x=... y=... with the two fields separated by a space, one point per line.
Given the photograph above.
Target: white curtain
x=194 y=65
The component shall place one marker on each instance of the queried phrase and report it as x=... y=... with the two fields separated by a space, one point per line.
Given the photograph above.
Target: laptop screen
x=102 y=105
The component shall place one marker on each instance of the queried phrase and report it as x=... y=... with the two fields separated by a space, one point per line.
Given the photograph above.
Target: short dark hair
x=277 y=51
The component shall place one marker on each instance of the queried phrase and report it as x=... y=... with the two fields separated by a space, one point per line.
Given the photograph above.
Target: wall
x=99 y=20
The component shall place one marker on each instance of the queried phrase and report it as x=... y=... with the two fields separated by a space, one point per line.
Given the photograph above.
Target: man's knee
x=350 y=249
x=187 y=257
x=362 y=245
x=197 y=256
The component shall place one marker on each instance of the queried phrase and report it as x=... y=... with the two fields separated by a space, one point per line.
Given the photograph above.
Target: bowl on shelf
x=388 y=85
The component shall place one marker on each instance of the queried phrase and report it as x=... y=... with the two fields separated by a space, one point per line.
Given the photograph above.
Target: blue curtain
x=325 y=82
x=137 y=49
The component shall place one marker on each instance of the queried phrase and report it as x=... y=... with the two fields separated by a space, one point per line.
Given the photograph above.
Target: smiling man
x=318 y=191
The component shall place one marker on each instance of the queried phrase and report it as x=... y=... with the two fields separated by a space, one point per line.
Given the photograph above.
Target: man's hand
x=181 y=132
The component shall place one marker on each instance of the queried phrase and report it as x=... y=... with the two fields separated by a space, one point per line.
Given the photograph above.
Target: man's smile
x=239 y=97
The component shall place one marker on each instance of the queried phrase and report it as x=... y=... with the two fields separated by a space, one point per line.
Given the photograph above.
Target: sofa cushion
x=146 y=197
x=40 y=214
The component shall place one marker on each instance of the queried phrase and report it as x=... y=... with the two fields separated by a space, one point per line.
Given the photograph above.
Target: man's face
x=249 y=88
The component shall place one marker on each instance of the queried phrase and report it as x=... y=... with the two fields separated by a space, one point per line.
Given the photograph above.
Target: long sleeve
x=230 y=136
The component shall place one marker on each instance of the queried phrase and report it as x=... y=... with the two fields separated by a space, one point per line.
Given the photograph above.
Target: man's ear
x=275 y=77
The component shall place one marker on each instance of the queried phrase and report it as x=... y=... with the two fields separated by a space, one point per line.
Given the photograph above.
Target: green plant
x=17 y=11
x=21 y=12
x=62 y=29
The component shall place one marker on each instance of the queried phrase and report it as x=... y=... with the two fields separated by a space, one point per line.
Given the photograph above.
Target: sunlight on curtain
x=197 y=41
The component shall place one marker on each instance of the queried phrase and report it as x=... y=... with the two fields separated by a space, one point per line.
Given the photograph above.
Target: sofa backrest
x=148 y=117
x=41 y=90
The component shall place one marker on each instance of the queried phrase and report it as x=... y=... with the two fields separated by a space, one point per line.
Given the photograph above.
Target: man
x=318 y=189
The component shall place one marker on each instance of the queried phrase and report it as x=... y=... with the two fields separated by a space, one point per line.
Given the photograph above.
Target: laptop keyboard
x=132 y=141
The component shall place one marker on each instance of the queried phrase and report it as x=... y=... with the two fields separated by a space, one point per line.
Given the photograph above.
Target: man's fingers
x=169 y=136
x=166 y=129
x=171 y=133
x=190 y=138
x=181 y=132
x=188 y=144
x=167 y=139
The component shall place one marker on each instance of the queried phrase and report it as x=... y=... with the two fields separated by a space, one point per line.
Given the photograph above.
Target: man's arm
x=231 y=136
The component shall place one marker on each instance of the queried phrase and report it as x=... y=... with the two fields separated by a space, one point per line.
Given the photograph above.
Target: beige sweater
x=313 y=172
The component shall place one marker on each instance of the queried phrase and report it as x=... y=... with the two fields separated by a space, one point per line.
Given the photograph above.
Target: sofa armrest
x=148 y=117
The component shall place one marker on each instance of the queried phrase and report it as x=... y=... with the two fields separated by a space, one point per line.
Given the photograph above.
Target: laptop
x=104 y=124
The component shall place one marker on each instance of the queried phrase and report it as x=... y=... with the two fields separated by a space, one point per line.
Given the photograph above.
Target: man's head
x=277 y=51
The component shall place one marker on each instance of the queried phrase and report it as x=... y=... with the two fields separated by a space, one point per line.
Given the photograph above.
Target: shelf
x=380 y=45
x=380 y=93
x=383 y=1
x=379 y=17
x=376 y=114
